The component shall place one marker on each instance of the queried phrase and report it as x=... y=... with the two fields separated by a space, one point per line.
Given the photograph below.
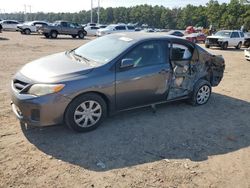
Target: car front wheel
x=27 y=31
x=80 y=34
x=53 y=34
x=201 y=93
x=224 y=46
x=85 y=113
x=239 y=45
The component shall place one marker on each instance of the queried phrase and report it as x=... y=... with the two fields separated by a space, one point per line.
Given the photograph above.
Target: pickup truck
x=225 y=39
x=63 y=28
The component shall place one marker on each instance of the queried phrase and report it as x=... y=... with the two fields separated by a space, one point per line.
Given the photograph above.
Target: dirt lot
x=179 y=146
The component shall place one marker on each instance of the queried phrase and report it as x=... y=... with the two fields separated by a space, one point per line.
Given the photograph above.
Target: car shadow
x=3 y=38
x=176 y=131
x=228 y=49
x=67 y=38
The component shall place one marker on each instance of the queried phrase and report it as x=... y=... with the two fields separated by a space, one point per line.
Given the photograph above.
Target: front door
x=147 y=80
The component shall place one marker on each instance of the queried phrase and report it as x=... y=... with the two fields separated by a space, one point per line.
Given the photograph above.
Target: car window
x=148 y=53
x=180 y=52
x=241 y=34
x=177 y=33
x=120 y=28
x=130 y=27
x=64 y=24
x=235 y=35
x=223 y=33
x=39 y=23
x=13 y=22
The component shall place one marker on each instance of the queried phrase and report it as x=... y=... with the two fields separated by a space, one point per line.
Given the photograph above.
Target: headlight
x=220 y=40
x=45 y=89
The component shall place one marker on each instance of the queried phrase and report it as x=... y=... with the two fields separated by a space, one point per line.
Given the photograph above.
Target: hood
x=216 y=37
x=103 y=29
x=54 y=68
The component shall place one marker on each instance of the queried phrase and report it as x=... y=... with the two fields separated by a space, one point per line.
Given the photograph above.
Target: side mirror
x=127 y=63
x=114 y=29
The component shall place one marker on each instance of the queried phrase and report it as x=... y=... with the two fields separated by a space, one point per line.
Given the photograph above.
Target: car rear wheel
x=53 y=34
x=27 y=31
x=80 y=34
x=239 y=45
x=86 y=112
x=201 y=93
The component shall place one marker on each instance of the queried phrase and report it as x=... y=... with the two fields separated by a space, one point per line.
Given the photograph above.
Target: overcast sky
x=77 y=5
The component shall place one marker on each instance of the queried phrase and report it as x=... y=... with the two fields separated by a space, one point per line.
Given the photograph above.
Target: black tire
x=200 y=87
x=81 y=35
x=224 y=45
x=71 y=117
x=27 y=31
x=74 y=36
x=207 y=46
x=47 y=35
x=239 y=45
x=53 y=34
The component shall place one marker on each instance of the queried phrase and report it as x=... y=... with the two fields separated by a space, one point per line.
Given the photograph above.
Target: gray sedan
x=111 y=74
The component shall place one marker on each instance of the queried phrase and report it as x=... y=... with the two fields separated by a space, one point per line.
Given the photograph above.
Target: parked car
x=225 y=39
x=115 y=28
x=247 y=54
x=190 y=30
x=247 y=40
x=175 y=33
x=9 y=25
x=111 y=74
x=196 y=37
x=63 y=28
x=31 y=27
x=91 y=30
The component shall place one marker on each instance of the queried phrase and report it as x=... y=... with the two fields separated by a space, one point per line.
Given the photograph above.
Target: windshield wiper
x=78 y=56
x=84 y=58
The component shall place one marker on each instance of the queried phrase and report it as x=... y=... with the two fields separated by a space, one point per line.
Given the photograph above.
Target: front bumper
x=214 y=43
x=39 y=111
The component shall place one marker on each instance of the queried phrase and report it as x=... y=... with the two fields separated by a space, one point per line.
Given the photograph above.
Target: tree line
x=230 y=15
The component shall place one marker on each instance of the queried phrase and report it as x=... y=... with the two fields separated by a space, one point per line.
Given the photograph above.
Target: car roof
x=9 y=20
x=139 y=36
x=230 y=30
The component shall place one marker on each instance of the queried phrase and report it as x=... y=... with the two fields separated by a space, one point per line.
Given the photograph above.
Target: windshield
x=223 y=33
x=110 y=27
x=104 y=49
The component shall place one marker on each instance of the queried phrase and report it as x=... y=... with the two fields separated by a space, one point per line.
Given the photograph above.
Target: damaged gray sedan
x=111 y=74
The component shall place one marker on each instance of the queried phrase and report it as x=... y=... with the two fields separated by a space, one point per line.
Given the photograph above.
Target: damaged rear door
x=182 y=58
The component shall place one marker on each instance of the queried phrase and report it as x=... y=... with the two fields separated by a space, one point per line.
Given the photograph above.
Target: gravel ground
x=178 y=146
